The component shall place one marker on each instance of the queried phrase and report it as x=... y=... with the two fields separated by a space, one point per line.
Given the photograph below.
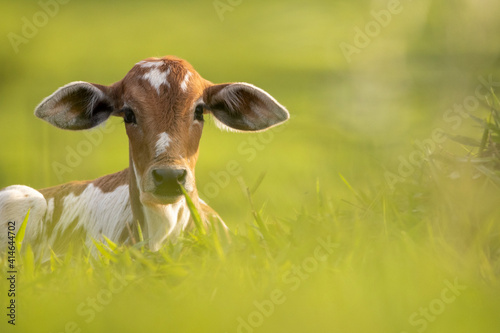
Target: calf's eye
x=198 y=112
x=129 y=116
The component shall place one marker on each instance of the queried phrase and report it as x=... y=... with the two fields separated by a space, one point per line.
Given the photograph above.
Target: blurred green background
x=353 y=116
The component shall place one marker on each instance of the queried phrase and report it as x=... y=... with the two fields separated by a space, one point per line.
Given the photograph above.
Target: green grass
x=322 y=178
x=367 y=267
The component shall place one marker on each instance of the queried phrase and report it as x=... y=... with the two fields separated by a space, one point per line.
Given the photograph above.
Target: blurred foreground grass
x=419 y=254
x=425 y=258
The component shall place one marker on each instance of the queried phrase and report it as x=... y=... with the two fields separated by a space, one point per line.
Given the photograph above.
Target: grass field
x=374 y=209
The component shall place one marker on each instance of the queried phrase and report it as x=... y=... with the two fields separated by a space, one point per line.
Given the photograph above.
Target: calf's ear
x=243 y=107
x=76 y=106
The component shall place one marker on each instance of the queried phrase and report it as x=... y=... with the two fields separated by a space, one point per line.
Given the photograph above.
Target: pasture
x=375 y=208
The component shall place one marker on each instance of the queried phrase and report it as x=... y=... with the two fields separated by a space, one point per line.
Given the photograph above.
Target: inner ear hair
x=76 y=106
x=244 y=107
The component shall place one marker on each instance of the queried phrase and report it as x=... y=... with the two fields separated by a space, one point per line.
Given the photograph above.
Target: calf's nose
x=167 y=181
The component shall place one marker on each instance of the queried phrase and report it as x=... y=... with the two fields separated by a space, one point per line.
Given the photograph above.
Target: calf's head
x=162 y=102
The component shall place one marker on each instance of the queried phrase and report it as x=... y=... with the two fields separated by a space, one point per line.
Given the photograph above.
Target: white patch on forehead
x=185 y=81
x=157 y=77
x=162 y=144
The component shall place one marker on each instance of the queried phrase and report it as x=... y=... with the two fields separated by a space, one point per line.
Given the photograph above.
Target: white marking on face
x=162 y=144
x=157 y=78
x=185 y=81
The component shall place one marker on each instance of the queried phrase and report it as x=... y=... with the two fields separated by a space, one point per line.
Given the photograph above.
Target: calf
x=163 y=102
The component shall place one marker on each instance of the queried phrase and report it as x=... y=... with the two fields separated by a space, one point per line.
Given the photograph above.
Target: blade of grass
x=257 y=218
x=258 y=182
x=100 y=247
x=216 y=242
x=111 y=244
x=21 y=232
x=356 y=194
x=54 y=261
x=141 y=242
x=195 y=215
x=486 y=132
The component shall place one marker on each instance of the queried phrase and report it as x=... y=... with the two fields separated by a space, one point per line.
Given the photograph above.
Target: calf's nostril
x=181 y=179
x=158 y=178
x=167 y=181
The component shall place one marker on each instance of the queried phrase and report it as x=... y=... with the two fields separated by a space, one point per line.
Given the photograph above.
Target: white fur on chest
x=165 y=221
